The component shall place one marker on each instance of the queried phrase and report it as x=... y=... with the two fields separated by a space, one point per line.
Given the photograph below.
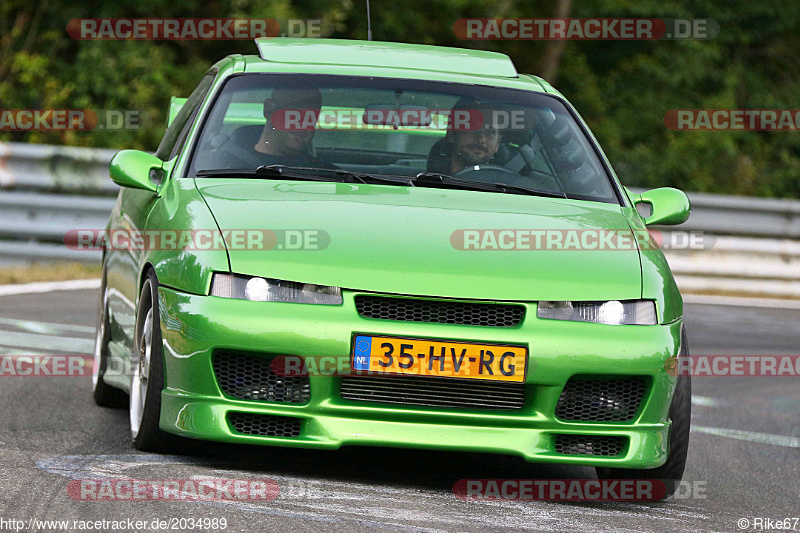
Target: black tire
x=105 y=395
x=149 y=436
x=680 y=413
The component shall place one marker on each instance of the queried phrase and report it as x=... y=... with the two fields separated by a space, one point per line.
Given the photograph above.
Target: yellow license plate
x=424 y=357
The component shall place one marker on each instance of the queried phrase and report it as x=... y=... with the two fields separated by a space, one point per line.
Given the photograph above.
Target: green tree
x=622 y=88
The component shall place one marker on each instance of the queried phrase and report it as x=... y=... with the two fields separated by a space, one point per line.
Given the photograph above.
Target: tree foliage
x=622 y=88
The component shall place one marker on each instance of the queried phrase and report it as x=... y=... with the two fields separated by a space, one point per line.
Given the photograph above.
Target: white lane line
x=752 y=436
x=15 y=339
x=15 y=352
x=737 y=301
x=706 y=401
x=50 y=286
x=45 y=328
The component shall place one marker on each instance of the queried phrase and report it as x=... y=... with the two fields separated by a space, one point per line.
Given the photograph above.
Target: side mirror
x=668 y=206
x=136 y=170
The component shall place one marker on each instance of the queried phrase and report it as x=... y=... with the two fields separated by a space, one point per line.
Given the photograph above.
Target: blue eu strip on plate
x=361 y=352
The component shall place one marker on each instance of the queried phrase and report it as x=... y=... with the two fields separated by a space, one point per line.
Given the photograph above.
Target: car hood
x=400 y=240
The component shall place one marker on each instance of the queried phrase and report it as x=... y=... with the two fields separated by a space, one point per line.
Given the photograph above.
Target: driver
x=473 y=147
x=470 y=142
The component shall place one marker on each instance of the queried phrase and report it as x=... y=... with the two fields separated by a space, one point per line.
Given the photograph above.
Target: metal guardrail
x=47 y=216
x=33 y=225
x=48 y=190
x=42 y=167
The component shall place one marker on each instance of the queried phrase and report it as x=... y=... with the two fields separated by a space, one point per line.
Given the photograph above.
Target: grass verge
x=47 y=272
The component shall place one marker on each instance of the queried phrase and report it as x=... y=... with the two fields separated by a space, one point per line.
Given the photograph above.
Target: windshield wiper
x=516 y=189
x=382 y=179
x=365 y=177
x=283 y=171
x=445 y=181
x=307 y=174
x=434 y=179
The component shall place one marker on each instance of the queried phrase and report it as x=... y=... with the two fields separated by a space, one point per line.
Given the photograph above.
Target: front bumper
x=194 y=406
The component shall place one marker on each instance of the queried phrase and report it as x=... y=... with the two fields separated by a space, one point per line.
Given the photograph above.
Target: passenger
x=277 y=144
x=285 y=145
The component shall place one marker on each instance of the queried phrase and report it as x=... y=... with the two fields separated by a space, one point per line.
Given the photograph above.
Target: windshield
x=398 y=127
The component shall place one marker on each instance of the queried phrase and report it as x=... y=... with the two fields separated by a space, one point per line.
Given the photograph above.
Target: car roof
x=383 y=58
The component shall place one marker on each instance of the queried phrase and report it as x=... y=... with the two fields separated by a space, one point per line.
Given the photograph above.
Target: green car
x=348 y=243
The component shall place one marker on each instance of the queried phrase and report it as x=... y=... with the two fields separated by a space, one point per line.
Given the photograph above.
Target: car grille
x=433 y=392
x=250 y=377
x=600 y=400
x=604 y=445
x=265 y=425
x=440 y=312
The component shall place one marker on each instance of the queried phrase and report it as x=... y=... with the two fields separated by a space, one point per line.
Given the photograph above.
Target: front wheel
x=680 y=413
x=147 y=374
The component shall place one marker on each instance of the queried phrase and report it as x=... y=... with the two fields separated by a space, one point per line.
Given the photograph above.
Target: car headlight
x=631 y=312
x=259 y=289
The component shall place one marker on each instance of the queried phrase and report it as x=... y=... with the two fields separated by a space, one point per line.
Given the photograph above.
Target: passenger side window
x=176 y=134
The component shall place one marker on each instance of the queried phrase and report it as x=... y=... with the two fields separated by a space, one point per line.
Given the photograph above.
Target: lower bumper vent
x=265 y=425
x=601 y=400
x=607 y=446
x=250 y=377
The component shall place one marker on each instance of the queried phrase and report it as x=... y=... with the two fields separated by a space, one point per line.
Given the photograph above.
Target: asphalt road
x=744 y=459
